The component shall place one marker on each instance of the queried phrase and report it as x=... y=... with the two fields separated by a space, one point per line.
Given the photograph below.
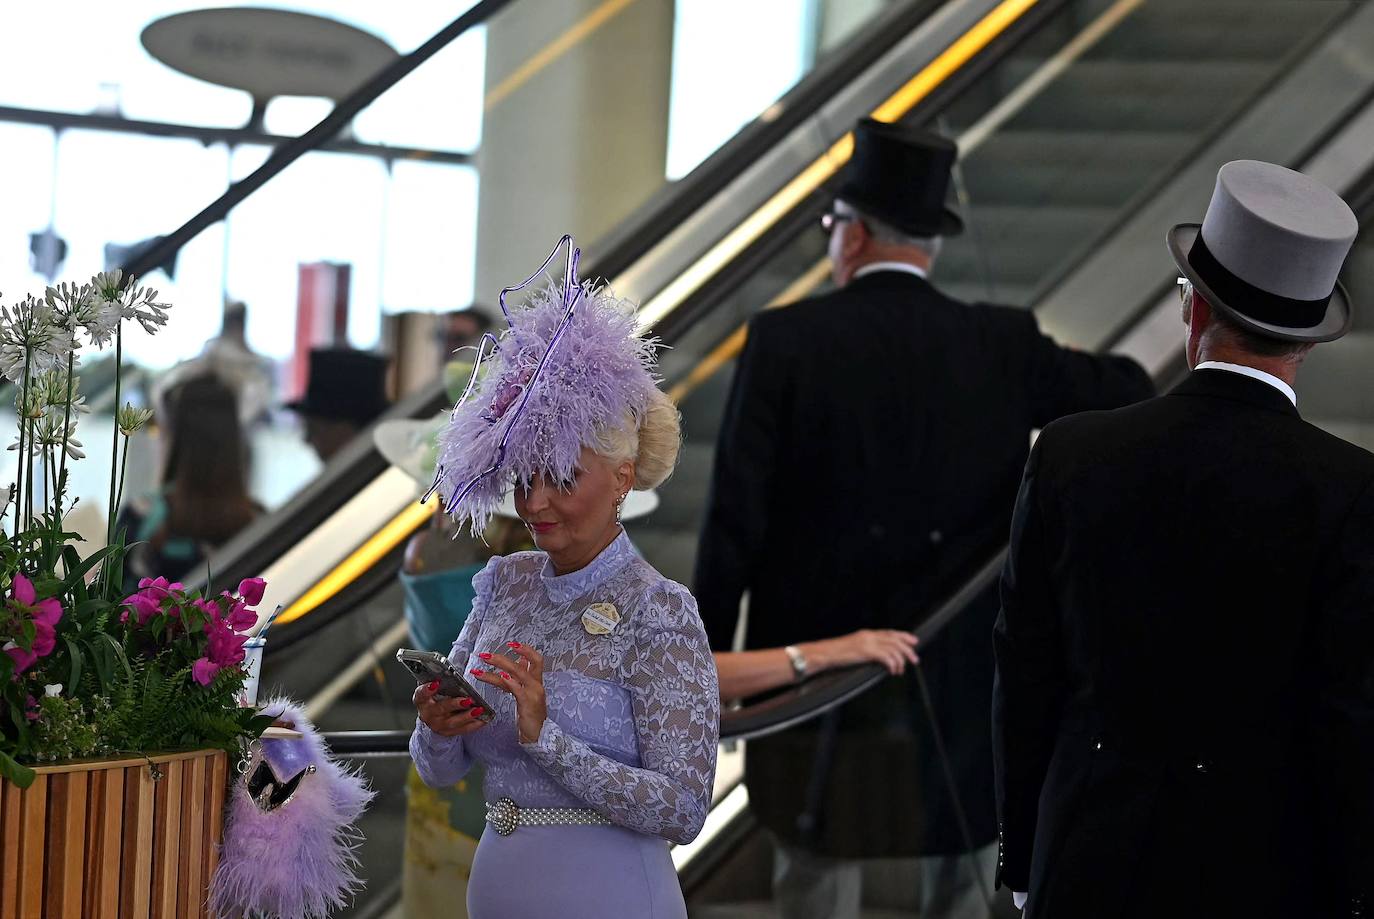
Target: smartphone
x=428 y=666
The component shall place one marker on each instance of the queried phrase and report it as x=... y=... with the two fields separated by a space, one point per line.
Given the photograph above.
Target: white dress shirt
x=1253 y=374
x=890 y=266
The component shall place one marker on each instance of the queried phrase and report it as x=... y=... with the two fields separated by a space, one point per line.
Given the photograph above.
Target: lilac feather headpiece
x=570 y=365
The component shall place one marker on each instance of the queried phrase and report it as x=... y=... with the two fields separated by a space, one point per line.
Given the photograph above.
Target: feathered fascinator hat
x=570 y=366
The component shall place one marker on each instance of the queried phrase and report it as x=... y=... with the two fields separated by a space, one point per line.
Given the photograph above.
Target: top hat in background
x=1269 y=250
x=901 y=175
x=344 y=385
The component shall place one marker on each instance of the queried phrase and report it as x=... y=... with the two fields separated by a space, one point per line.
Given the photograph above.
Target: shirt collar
x=906 y=267
x=1254 y=374
x=562 y=588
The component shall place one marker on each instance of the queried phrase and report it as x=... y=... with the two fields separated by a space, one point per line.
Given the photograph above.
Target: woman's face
x=575 y=523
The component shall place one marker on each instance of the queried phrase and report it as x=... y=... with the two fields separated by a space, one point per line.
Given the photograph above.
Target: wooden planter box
x=111 y=840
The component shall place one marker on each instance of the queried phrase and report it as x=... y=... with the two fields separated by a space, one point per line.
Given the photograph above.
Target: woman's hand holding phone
x=445 y=716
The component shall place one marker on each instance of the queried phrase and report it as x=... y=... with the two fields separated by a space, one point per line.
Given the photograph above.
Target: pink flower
x=145 y=606
x=225 y=648
x=44 y=639
x=210 y=608
x=250 y=589
x=241 y=618
x=158 y=587
x=23 y=590
x=23 y=660
x=48 y=611
x=203 y=671
x=31 y=708
x=45 y=614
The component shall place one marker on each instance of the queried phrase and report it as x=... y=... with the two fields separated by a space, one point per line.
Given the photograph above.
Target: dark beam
x=231 y=136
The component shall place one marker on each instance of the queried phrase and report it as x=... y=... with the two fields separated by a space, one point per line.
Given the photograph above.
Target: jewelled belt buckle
x=504 y=816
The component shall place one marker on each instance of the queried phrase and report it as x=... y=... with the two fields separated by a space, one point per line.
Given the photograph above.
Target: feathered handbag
x=289 y=836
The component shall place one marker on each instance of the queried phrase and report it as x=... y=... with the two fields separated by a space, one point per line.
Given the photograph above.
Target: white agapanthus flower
x=50 y=432
x=54 y=391
x=31 y=333
x=85 y=309
x=52 y=689
x=134 y=302
x=131 y=419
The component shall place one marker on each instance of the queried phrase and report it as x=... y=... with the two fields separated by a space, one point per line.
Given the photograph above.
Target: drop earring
x=619 y=506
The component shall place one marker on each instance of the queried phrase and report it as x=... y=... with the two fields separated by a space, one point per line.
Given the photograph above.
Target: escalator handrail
x=796 y=705
x=287 y=153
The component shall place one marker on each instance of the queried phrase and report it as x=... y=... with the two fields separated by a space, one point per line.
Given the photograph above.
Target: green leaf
x=119 y=656
x=74 y=678
x=71 y=559
x=17 y=773
x=78 y=573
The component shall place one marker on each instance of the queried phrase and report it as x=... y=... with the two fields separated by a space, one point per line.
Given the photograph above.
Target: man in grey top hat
x=1184 y=708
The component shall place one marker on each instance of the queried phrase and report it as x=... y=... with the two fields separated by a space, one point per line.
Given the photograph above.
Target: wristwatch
x=798 y=660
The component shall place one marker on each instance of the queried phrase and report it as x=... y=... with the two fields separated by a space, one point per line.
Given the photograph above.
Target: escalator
x=1086 y=128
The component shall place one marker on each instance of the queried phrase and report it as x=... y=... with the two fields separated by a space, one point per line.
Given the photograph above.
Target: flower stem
x=66 y=433
x=114 y=441
x=123 y=467
x=32 y=435
x=108 y=565
x=23 y=444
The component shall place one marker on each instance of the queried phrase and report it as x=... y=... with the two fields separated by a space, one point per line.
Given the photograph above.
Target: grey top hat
x=1268 y=252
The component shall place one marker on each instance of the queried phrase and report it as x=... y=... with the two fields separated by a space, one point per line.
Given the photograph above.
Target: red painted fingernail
x=513 y=644
x=476 y=711
x=505 y=676
x=434 y=686
x=485 y=656
x=475 y=672
x=464 y=703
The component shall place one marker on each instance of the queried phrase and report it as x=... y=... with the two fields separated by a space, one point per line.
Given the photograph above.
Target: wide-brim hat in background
x=344 y=385
x=1268 y=252
x=901 y=176
x=411 y=445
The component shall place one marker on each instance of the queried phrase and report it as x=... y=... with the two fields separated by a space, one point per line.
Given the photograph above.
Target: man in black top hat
x=345 y=392
x=1184 y=718
x=856 y=491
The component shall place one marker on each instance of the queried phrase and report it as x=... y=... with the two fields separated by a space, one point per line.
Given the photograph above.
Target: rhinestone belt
x=505 y=815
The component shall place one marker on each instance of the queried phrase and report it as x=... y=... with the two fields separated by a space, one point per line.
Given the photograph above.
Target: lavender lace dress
x=632 y=731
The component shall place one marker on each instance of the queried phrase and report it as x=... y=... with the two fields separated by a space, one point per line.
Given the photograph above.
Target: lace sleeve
x=671 y=677
x=442 y=761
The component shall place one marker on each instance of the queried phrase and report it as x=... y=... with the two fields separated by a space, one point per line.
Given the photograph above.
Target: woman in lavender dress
x=596 y=667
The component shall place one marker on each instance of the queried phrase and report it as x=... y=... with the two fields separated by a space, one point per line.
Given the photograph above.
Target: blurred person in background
x=462 y=329
x=228 y=358
x=345 y=392
x=203 y=500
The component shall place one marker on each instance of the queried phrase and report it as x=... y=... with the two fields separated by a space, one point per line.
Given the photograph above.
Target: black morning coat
x=1184 y=717
x=867 y=464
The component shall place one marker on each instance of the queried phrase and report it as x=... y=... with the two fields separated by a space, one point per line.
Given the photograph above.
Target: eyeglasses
x=831 y=218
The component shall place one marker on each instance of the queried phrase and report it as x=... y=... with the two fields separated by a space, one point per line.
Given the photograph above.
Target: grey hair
x=888 y=235
x=652 y=443
x=1241 y=337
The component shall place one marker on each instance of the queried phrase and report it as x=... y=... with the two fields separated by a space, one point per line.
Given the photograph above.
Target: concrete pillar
x=576 y=145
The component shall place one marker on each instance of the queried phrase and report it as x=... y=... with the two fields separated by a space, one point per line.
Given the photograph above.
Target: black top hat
x=901 y=176
x=344 y=385
x=1269 y=250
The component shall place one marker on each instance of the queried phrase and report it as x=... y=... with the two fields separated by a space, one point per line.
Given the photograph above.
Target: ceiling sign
x=268 y=52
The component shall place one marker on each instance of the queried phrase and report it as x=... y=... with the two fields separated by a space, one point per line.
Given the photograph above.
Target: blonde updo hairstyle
x=652 y=443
